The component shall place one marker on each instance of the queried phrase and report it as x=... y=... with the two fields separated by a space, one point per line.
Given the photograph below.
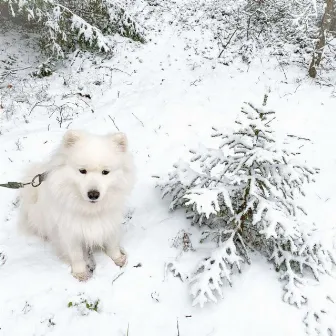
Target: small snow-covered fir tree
x=243 y=196
x=68 y=24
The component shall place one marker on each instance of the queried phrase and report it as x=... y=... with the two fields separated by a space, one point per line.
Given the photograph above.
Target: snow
x=166 y=99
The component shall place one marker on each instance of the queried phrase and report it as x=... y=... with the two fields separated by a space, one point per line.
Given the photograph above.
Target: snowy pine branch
x=208 y=278
x=67 y=24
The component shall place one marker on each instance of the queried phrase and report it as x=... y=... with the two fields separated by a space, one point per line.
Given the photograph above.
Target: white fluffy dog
x=80 y=204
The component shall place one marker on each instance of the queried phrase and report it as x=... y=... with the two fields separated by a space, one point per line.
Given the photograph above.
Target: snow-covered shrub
x=68 y=25
x=44 y=70
x=243 y=196
x=111 y=17
x=244 y=28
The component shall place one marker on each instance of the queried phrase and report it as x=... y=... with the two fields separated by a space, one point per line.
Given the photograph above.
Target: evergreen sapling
x=243 y=196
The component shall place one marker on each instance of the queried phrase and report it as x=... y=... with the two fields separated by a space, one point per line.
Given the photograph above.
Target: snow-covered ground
x=166 y=98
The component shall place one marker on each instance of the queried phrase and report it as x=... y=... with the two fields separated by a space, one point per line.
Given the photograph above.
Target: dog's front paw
x=121 y=261
x=82 y=276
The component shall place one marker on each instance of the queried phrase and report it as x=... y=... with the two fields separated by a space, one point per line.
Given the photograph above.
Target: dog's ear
x=121 y=140
x=71 y=137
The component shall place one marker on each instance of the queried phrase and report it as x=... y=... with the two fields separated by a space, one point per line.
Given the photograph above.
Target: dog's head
x=96 y=167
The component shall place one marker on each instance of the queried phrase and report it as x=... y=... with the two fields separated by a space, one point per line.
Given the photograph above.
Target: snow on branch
x=208 y=278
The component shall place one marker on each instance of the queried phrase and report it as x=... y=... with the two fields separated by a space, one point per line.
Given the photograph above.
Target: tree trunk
x=330 y=6
x=333 y=23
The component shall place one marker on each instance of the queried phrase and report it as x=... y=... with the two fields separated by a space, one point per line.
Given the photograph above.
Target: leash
x=35 y=182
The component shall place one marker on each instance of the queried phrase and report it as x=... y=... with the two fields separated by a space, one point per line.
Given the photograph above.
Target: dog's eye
x=105 y=172
x=82 y=171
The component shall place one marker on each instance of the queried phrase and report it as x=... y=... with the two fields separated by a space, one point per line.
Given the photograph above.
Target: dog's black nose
x=93 y=195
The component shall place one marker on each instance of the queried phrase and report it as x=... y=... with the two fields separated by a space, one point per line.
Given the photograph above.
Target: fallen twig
x=297 y=137
x=81 y=95
x=282 y=68
x=85 y=95
x=36 y=104
x=117 y=277
x=8 y=72
x=224 y=46
x=112 y=69
x=155 y=297
x=194 y=82
x=139 y=120
x=114 y=123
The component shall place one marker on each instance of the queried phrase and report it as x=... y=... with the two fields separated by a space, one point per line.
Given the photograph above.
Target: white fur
x=60 y=210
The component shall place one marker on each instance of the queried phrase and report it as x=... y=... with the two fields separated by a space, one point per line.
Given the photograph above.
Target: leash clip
x=37 y=180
